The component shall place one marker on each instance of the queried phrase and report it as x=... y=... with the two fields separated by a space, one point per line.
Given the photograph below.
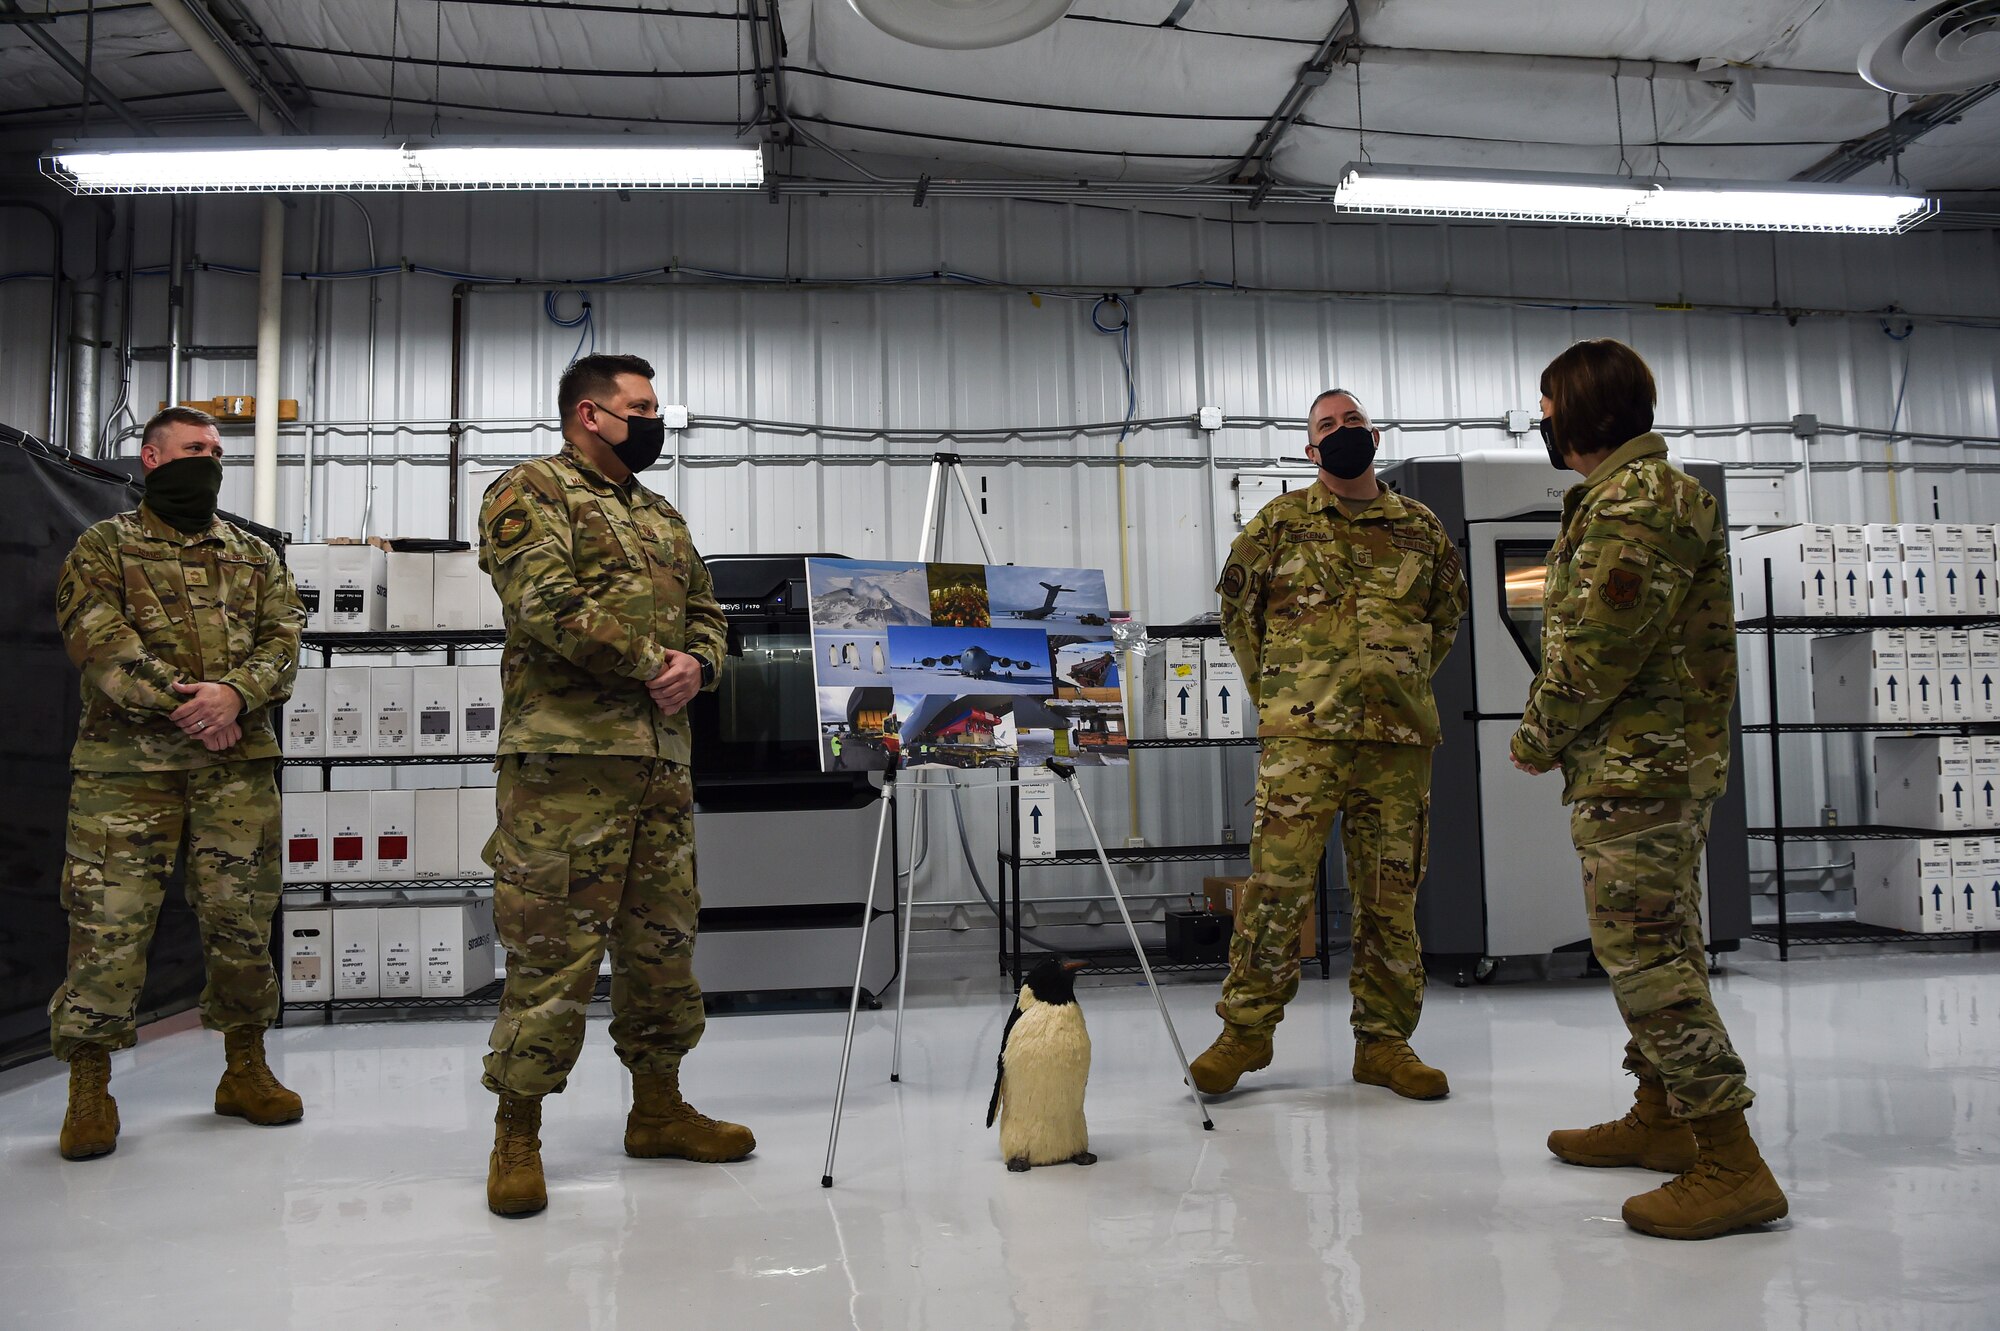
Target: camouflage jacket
x=598 y=582
x=1339 y=623
x=1638 y=648
x=142 y=607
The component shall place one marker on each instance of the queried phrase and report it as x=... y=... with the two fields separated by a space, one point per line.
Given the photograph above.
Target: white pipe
x=190 y=30
x=270 y=314
x=1671 y=70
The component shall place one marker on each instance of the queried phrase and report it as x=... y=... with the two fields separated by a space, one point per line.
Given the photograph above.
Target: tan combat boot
x=248 y=1089
x=663 y=1124
x=514 y=1183
x=1730 y=1187
x=1392 y=1063
x=1239 y=1049
x=90 y=1127
x=1649 y=1136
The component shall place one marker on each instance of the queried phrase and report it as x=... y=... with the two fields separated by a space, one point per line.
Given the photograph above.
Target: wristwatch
x=707 y=671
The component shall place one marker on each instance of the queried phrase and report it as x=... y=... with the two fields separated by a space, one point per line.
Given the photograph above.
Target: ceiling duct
x=961 y=25
x=1947 y=47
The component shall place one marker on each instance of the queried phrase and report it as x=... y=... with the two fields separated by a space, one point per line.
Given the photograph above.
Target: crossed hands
x=209 y=715
x=676 y=683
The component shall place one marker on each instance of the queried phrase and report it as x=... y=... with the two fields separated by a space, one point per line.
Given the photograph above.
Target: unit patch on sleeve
x=509 y=527
x=1232 y=581
x=1621 y=588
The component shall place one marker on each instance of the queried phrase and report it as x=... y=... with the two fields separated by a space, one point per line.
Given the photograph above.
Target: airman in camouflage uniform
x=1632 y=700
x=186 y=634
x=1339 y=608
x=612 y=625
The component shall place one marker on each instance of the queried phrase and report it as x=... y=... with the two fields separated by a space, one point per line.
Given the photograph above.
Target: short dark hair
x=1335 y=392
x=176 y=416
x=1603 y=396
x=593 y=375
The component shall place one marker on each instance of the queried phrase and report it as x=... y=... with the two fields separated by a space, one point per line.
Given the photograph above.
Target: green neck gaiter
x=182 y=492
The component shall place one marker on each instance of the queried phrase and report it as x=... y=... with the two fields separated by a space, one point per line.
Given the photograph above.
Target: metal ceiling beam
x=240 y=76
x=1254 y=166
x=66 y=62
x=1922 y=116
x=1670 y=70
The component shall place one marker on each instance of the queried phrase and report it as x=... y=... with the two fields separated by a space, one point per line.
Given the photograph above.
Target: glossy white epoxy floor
x=1315 y=1203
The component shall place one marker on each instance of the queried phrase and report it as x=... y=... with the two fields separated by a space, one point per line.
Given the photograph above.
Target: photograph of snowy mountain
x=867 y=595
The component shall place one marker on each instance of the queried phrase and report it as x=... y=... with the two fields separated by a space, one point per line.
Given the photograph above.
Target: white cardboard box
x=1850 y=570
x=1986 y=899
x=399 y=942
x=436 y=708
x=455 y=579
x=392 y=817
x=1985 y=674
x=305 y=837
x=408 y=578
x=1902 y=884
x=307 y=951
x=350 y=718
x=308 y=567
x=391 y=695
x=1922 y=592
x=1981 y=574
x=458 y=948
x=492 y=615
x=1986 y=782
x=305 y=715
x=1957 y=689
x=1926 y=682
x=359 y=587
x=1861 y=677
x=1934 y=877
x=1885 y=569
x=1223 y=706
x=1803 y=576
x=478 y=708
x=1924 y=781
x=1180 y=691
x=1953 y=591
x=347 y=817
x=354 y=959
x=436 y=853
x=1969 y=858
x=477 y=818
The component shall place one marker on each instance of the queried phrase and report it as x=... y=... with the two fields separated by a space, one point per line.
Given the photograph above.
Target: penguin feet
x=1018 y=1165
x=1083 y=1158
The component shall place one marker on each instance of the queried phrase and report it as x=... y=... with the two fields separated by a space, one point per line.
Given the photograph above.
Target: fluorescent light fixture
x=304 y=165
x=1410 y=191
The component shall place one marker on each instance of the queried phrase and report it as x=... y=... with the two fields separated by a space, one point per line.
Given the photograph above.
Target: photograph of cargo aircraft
x=949 y=661
x=1059 y=599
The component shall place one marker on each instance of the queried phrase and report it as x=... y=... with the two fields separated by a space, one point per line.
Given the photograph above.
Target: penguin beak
x=1074 y=965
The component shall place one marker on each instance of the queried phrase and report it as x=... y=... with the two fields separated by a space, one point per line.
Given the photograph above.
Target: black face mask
x=1548 y=433
x=1347 y=452
x=645 y=436
x=182 y=492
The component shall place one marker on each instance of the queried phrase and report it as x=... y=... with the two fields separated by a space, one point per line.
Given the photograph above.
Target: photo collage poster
x=963 y=665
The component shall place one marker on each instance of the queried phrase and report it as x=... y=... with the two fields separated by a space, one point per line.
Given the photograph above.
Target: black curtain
x=46 y=502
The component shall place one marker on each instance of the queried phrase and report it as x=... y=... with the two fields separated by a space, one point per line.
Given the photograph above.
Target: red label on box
x=303 y=850
x=392 y=848
x=349 y=847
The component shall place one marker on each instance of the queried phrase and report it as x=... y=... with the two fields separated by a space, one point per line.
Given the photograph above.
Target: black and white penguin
x=1044 y=1064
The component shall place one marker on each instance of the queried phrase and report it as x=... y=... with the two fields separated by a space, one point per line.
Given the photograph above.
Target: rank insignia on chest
x=196 y=577
x=1621 y=588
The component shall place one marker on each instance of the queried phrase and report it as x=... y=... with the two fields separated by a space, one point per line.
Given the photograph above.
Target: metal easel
x=930 y=549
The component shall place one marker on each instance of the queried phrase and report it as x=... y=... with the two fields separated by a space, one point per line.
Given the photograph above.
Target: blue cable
x=1123 y=330
x=583 y=320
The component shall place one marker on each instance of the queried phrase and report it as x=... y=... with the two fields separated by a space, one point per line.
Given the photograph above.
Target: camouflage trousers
x=590 y=852
x=125 y=831
x=1642 y=880
x=1382 y=793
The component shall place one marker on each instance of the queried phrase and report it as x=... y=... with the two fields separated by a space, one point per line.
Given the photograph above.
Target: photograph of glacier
x=867 y=595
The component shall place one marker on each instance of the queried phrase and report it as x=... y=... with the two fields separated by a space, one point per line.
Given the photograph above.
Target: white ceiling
x=1105 y=94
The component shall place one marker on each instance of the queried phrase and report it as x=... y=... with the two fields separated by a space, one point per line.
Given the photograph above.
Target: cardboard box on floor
x=1222 y=894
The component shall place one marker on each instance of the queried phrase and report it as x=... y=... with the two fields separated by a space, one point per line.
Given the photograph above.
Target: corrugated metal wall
x=1430 y=325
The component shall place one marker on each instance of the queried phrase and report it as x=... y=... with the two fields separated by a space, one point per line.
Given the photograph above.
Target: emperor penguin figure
x=1044 y=1064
